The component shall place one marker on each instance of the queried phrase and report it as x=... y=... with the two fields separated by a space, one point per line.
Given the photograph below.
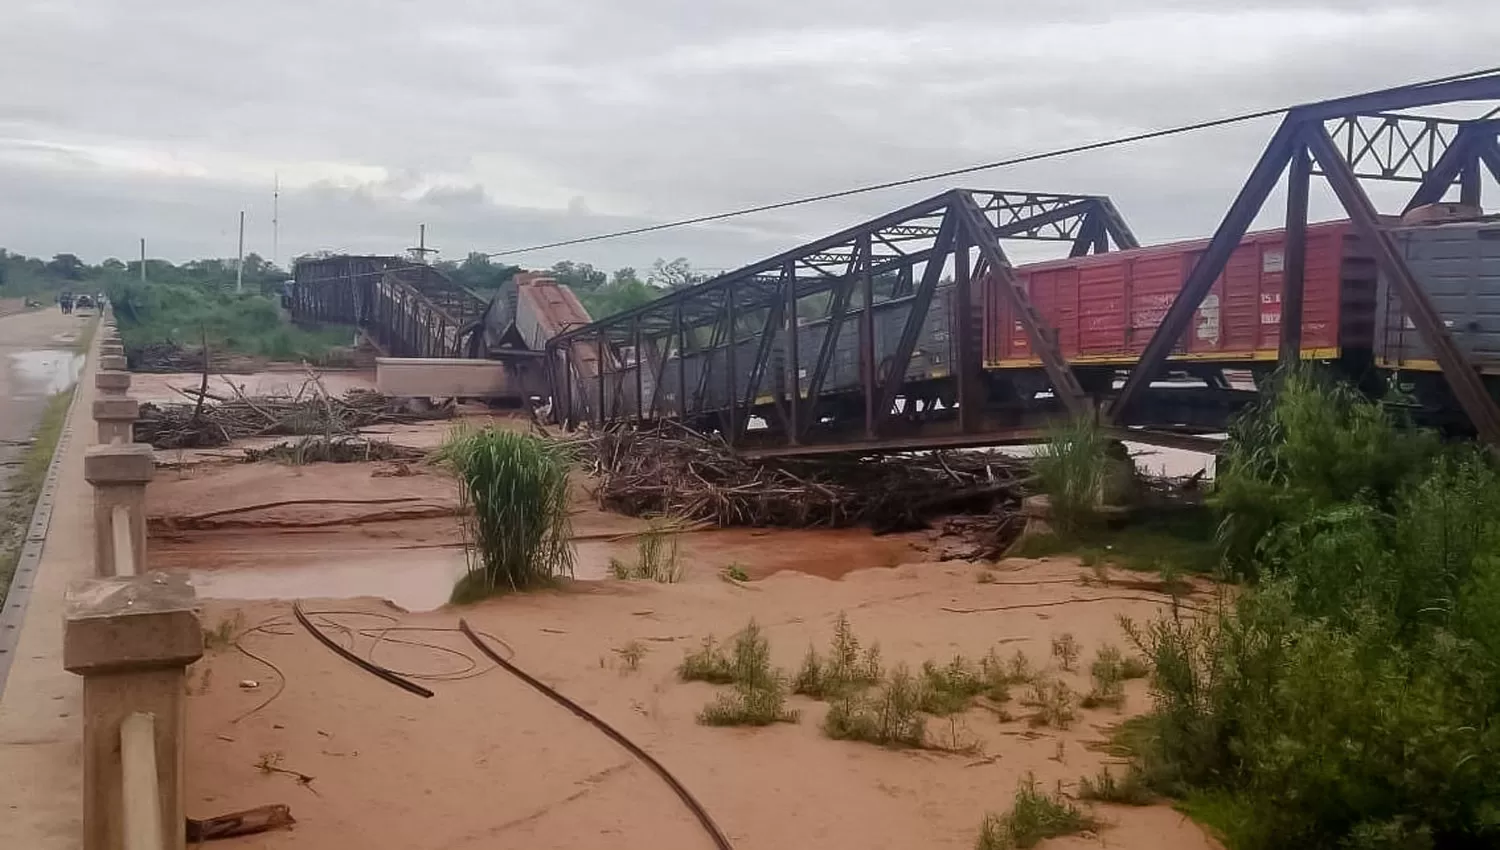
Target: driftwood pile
x=212 y=420
x=671 y=470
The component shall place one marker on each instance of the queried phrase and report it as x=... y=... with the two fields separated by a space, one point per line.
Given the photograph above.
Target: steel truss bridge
x=407 y=309
x=845 y=343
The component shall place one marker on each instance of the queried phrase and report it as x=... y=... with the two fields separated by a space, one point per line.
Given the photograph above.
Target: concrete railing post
x=119 y=473
x=112 y=384
x=132 y=639
x=115 y=418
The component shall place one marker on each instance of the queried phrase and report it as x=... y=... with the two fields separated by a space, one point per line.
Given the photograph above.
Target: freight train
x=1105 y=308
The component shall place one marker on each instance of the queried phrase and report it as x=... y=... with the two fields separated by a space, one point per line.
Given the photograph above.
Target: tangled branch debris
x=211 y=420
x=671 y=470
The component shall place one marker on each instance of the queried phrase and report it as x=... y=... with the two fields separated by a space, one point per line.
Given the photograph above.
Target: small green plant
x=1053 y=701
x=736 y=572
x=1109 y=671
x=631 y=654
x=846 y=669
x=1105 y=788
x=1065 y=649
x=1019 y=668
x=747 y=661
x=1110 y=693
x=759 y=695
x=891 y=718
x=656 y=556
x=709 y=663
x=1034 y=815
x=950 y=688
x=749 y=705
x=1110 y=664
x=656 y=549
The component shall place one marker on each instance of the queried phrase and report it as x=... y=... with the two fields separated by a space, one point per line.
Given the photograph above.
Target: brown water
x=420 y=577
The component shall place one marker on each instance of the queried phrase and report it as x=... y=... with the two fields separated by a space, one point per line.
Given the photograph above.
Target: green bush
x=1349 y=698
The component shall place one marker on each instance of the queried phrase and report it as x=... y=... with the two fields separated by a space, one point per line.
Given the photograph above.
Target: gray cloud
x=532 y=121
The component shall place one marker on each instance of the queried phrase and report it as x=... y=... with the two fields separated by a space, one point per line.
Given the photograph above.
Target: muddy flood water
x=44 y=372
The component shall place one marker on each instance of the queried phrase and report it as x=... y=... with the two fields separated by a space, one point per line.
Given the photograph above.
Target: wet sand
x=489 y=763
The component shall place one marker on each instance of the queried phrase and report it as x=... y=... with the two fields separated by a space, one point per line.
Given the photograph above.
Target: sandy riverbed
x=488 y=762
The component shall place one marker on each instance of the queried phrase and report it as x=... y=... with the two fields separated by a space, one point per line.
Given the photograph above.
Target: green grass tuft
x=1033 y=816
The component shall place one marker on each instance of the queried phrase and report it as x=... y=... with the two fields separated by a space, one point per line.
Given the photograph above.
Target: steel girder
x=1345 y=140
x=766 y=340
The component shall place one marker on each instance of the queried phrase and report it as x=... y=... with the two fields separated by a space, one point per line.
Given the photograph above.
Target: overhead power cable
x=970 y=169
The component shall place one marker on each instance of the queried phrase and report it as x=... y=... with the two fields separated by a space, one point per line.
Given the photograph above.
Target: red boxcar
x=1105 y=307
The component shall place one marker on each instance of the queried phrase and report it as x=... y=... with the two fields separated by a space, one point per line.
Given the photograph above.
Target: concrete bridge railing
x=131 y=634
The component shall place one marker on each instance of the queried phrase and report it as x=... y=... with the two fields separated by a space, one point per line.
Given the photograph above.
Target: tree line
x=603 y=293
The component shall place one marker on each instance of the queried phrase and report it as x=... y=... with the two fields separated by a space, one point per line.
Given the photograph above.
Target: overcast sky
x=513 y=122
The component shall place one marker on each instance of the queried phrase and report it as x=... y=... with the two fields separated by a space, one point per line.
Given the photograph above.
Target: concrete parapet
x=112 y=383
x=113 y=362
x=116 y=418
x=111 y=348
x=119 y=473
x=131 y=639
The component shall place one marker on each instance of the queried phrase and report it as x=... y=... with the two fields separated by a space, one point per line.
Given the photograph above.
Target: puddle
x=421 y=579
x=45 y=372
x=414 y=581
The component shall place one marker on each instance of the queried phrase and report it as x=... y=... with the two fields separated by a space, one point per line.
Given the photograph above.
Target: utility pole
x=143 y=259
x=422 y=250
x=276 y=219
x=239 y=267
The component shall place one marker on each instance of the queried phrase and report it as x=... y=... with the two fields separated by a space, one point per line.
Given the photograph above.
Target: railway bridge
x=914 y=329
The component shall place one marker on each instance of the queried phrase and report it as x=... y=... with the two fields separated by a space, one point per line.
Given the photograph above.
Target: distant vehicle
x=83 y=302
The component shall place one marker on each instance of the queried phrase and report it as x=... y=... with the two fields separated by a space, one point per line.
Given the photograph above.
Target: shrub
x=1070 y=467
x=1053 y=701
x=891 y=718
x=1349 y=698
x=1105 y=788
x=1033 y=816
x=747 y=661
x=749 y=705
x=1065 y=649
x=759 y=694
x=1109 y=671
x=515 y=490
x=845 y=670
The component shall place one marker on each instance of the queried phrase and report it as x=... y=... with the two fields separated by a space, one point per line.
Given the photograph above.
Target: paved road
x=36 y=360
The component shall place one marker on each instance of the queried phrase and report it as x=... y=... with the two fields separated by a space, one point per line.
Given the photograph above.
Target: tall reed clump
x=1071 y=468
x=514 y=489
